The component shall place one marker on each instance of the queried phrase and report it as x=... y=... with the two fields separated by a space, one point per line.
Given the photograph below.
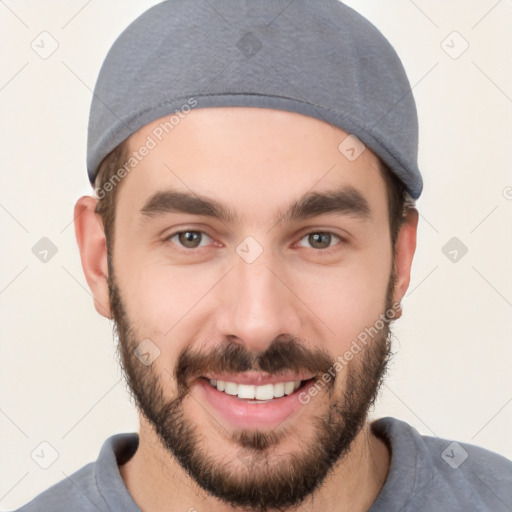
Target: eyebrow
x=344 y=201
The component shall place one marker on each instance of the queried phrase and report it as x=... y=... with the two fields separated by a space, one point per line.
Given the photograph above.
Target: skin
x=256 y=162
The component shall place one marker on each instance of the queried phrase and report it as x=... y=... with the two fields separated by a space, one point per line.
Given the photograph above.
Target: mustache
x=285 y=353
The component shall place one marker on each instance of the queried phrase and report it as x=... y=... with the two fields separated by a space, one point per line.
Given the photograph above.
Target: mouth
x=258 y=394
x=249 y=402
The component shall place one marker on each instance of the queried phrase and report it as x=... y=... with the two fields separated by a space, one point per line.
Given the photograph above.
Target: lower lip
x=242 y=413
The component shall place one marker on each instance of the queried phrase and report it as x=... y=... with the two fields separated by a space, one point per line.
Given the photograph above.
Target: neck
x=157 y=482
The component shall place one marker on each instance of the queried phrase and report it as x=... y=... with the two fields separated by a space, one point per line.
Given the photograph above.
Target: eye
x=189 y=239
x=319 y=240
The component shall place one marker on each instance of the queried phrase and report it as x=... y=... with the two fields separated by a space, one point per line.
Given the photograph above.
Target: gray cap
x=315 y=57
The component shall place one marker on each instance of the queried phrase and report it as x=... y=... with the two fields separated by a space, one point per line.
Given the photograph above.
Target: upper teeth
x=265 y=392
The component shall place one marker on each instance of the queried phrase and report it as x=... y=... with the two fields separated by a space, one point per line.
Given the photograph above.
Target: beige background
x=59 y=379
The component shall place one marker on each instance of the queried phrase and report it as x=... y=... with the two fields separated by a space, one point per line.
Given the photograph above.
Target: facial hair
x=267 y=484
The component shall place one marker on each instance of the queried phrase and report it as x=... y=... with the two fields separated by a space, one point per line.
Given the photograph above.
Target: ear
x=92 y=244
x=405 y=248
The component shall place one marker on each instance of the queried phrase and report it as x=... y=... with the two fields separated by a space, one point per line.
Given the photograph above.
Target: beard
x=254 y=479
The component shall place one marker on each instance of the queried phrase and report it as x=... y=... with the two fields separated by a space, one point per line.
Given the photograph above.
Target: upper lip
x=258 y=379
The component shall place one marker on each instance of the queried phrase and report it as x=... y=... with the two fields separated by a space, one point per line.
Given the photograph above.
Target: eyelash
x=186 y=249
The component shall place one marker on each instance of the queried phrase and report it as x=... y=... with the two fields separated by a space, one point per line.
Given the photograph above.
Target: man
x=252 y=235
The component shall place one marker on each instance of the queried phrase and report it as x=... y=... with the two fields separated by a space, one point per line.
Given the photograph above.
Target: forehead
x=251 y=159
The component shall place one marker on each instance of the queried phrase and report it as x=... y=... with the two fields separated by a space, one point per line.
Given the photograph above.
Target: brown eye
x=189 y=239
x=319 y=240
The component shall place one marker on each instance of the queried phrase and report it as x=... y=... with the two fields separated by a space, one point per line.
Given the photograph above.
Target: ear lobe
x=405 y=248
x=92 y=244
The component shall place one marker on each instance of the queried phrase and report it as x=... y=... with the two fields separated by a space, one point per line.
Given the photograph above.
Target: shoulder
x=96 y=486
x=469 y=469
x=440 y=474
x=77 y=491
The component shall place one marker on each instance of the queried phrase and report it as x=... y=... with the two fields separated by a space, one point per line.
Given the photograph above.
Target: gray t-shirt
x=426 y=474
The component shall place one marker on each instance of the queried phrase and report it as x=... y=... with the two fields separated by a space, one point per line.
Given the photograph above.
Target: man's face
x=267 y=294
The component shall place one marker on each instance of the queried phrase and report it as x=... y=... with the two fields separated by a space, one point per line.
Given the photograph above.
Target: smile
x=253 y=392
x=251 y=399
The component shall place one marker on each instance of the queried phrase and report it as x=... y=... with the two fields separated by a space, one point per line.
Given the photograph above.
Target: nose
x=257 y=305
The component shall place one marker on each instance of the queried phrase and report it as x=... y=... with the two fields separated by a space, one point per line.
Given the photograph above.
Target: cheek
x=347 y=299
x=161 y=298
